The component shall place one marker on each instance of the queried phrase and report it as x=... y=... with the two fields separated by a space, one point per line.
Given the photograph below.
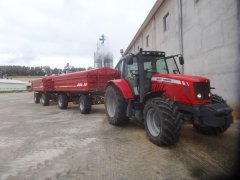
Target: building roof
x=145 y=23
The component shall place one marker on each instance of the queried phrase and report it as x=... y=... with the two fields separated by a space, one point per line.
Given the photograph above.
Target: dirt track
x=39 y=142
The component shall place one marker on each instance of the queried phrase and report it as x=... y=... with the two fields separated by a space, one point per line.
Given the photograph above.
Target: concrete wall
x=210 y=40
x=12 y=87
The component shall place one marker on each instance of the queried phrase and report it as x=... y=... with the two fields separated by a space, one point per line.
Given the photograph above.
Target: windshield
x=160 y=65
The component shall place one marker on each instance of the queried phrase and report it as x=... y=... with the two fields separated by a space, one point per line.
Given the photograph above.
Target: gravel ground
x=39 y=142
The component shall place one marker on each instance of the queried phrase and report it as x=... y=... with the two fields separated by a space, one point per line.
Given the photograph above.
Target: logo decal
x=167 y=80
x=81 y=84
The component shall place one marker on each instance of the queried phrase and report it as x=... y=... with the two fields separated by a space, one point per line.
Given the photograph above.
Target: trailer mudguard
x=123 y=87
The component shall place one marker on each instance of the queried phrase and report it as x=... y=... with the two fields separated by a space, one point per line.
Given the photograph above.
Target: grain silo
x=103 y=57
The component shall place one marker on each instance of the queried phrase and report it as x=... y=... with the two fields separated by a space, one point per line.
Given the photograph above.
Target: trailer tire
x=115 y=106
x=213 y=131
x=37 y=97
x=162 y=121
x=85 y=105
x=62 y=101
x=45 y=99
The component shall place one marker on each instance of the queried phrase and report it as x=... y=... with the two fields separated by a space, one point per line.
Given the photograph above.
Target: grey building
x=206 y=32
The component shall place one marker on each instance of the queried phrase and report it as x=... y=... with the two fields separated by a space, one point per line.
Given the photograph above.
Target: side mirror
x=129 y=60
x=181 y=60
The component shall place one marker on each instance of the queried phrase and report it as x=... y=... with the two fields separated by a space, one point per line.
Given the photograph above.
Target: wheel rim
x=81 y=105
x=111 y=105
x=42 y=99
x=60 y=101
x=153 y=122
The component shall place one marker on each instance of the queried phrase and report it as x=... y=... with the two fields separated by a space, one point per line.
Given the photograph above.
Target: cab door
x=131 y=75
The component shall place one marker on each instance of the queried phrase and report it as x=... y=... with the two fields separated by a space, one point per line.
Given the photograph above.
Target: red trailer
x=85 y=88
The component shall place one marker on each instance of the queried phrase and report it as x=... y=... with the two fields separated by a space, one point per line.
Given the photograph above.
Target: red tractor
x=152 y=91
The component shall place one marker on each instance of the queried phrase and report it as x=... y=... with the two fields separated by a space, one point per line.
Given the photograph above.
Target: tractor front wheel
x=213 y=130
x=115 y=106
x=162 y=121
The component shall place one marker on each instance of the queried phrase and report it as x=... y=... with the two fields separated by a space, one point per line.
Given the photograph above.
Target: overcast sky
x=54 y=32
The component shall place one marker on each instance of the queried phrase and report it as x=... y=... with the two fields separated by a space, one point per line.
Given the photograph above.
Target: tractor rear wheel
x=85 y=105
x=162 y=121
x=213 y=130
x=45 y=99
x=62 y=101
x=115 y=106
x=37 y=97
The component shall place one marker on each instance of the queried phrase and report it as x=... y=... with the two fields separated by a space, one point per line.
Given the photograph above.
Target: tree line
x=34 y=71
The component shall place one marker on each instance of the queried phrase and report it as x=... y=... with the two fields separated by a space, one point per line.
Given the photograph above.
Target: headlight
x=199 y=95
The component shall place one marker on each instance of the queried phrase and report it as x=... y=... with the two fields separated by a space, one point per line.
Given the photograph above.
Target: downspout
x=238 y=64
x=180 y=30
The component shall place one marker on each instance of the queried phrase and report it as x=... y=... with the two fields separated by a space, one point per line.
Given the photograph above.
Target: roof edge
x=154 y=9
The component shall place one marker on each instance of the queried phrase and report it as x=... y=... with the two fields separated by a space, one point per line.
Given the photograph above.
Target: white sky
x=54 y=32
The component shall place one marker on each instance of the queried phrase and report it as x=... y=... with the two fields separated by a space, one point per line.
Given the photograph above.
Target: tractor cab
x=139 y=69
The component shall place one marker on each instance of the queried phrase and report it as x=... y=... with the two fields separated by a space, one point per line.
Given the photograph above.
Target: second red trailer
x=84 y=88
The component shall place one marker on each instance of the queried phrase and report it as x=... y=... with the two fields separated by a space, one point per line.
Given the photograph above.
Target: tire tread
x=87 y=104
x=120 y=117
x=171 y=121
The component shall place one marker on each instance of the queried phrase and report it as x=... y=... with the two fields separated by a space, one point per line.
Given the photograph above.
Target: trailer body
x=86 y=81
x=72 y=87
x=43 y=84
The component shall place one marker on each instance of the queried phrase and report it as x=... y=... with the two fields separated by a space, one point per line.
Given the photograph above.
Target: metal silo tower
x=103 y=57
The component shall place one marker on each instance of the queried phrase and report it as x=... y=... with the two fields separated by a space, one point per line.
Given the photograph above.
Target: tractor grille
x=203 y=88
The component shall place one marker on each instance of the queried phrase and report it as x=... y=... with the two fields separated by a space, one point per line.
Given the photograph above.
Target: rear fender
x=123 y=87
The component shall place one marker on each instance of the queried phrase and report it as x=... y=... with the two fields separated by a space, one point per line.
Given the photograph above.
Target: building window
x=166 y=22
x=147 y=41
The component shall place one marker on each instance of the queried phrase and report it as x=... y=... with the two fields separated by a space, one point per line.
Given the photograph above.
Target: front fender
x=123 y=87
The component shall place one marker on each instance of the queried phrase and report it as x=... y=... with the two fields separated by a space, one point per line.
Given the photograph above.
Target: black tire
x=217 y=99
x=62 y=101
x=37 y=97
x=85 y=105
x=213 y=131
x=162 y=121
x=45 y=99
x=115 y=106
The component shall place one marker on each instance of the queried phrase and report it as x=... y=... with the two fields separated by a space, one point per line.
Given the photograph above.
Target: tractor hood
x=182 y=88
x=178 y=78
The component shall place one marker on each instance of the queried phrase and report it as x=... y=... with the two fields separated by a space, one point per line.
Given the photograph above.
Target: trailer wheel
x=62 y=101
x=45 y=99
x=115 y=106
x=213 y=131
x=162 y=121
x=37 y=97
x=85 y=105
